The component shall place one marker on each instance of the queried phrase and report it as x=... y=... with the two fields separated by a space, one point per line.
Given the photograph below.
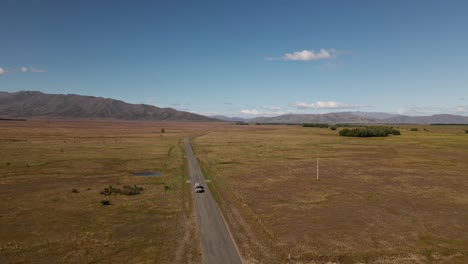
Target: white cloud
x=22 y=69
x=264 y=111
x=325 y=105
x=250 y=112
x=204 y=113
x=461 y=109
x=308 y=55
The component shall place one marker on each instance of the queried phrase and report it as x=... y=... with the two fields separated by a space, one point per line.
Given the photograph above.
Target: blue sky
x=243 y=58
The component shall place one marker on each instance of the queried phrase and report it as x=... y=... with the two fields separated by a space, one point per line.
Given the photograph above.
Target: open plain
x=51 y=176
x=397 y=199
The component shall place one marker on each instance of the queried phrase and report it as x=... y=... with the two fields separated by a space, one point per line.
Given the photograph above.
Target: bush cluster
x=315 y=125
x=126 y=190
x=374 y=131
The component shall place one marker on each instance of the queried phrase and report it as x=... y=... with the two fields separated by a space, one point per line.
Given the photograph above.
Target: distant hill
x=376 y=115
x=230 y=119
x=319 y=118
x=363 y=118
x=434 y=119
x=27 y=104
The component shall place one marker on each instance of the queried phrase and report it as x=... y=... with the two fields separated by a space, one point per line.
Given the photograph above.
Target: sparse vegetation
x=315 y=125
x=371 y=131
x=413 y=129
x=377 y=201
x=124 y=233
x=126 y=190
x=241 y=123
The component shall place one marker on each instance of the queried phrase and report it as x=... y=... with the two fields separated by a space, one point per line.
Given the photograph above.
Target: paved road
x=217 y=244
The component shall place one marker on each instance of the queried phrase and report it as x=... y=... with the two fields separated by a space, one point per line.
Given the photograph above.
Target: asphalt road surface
x=217 y=244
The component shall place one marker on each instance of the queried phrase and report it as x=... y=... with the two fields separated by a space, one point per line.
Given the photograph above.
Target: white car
x=199 y=188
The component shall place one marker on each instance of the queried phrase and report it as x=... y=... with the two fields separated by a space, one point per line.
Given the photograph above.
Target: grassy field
x=42 y=220
x=397 y=199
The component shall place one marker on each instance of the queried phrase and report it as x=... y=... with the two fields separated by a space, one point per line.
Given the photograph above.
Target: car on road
x=199 y=188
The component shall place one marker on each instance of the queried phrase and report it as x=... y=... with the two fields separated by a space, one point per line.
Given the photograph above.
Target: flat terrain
x=43 y=221
x=398 y=199
x=217 y=244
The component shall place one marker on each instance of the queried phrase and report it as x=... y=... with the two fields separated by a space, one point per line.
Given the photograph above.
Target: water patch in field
x=147 y=174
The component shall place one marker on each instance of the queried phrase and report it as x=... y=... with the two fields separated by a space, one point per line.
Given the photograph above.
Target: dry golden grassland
x=397 y=199
x=43 y=221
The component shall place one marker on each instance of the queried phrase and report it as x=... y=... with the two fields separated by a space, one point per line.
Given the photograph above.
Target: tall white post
x=317 y=170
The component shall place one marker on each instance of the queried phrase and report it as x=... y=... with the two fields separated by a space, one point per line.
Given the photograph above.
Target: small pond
x=148 y=174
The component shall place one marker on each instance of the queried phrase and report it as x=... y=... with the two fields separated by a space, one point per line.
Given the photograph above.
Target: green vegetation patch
x=316 y=125
x=371 y=131
x=126 y=190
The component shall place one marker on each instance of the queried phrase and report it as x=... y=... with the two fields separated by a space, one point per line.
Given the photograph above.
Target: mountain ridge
x=351 y=117
x=315 y=118
x=28 y=104
x=35 y=104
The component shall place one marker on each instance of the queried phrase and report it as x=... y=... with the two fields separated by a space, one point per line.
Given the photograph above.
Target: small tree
x=163 y=130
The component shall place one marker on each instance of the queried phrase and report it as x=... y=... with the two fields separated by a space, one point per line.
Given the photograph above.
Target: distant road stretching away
x=217 y=244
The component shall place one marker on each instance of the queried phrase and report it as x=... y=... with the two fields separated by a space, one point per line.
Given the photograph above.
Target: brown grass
x=43 y=220
x=400 y=199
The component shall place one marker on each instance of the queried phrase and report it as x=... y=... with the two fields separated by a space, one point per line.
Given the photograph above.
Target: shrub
x=105 y=202
x=414 y=129
x=163 y=130
x=315 y=125
x=110 y=190
x=126 y=190
x=74 y=191
x=374 y=131
x=466 y=131
x=333 y=127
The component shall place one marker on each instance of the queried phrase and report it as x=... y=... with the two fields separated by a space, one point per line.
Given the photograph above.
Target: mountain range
x=27 y=104
x=33 y=104
x=363 y=118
